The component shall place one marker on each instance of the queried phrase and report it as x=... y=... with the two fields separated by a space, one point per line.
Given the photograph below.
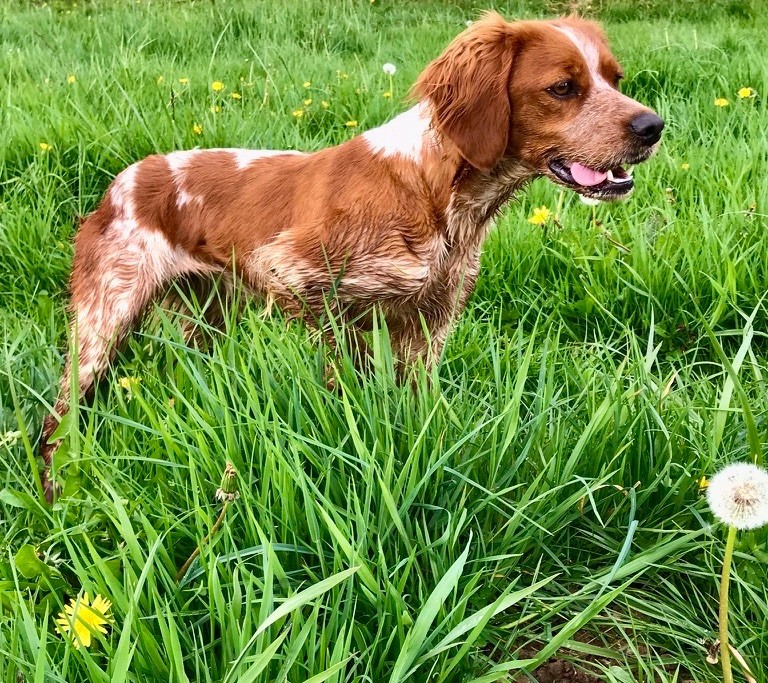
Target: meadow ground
x=541 y=495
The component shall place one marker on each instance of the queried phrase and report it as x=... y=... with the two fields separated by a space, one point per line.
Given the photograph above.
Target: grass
x=538 y=495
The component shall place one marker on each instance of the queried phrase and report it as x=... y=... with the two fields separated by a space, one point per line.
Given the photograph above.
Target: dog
x=393 y=219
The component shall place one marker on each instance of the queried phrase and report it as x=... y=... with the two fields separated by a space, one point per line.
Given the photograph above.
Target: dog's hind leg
x=119 y=268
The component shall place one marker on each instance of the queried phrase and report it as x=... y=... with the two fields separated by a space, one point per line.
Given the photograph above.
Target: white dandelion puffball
x=389 y=69
x=738 y=496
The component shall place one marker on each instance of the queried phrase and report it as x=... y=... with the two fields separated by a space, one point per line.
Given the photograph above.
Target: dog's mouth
x=609 y=184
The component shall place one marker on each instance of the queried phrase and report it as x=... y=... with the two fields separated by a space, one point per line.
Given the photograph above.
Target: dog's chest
x=451 y=261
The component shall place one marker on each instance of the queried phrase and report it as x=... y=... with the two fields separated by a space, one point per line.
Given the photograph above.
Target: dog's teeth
x=610 y=177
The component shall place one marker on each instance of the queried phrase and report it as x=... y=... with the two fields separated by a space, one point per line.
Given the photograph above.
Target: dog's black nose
x=647 y=126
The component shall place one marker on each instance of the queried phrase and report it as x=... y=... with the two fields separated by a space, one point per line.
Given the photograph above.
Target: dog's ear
x=467 y=88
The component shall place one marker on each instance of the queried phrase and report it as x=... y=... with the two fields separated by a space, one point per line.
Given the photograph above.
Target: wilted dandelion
x=738 y=497
x=71 y=79
x=217 y=86
x=197 y=129
x=227 y=491
x=46 y=147
x=540 y=215
x=81 y=619
x=721 y=102
x=746 y=92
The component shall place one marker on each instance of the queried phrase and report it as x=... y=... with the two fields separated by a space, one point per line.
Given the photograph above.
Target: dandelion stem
x=725 y=653
x=196 y=552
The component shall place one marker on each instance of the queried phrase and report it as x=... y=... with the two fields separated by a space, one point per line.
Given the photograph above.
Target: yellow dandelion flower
x=307 y=84
x=388 y=94
x=721 y=102
x=197 y=129
x=351 y=124
x=307 y=102
x=82 y=618
x=183 y=81
x=46 y=147
x=237 y=96
x=325 y=104
x=215 y=109
x=540 y=215
x=217 y=86
x=129 y=382
x=746 y=92
x=685 y=166
x=298 y=113
x=71 y=78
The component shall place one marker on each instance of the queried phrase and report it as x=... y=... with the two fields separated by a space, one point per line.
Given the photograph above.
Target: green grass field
x=539 y=496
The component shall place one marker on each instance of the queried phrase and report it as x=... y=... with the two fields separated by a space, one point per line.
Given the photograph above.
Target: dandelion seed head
x=389 y=69
x=738 y=496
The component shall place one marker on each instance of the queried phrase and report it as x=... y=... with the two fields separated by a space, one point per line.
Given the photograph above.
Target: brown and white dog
x=394 y=218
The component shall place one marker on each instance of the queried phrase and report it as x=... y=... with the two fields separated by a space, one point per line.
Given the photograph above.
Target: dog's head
x=544 y=93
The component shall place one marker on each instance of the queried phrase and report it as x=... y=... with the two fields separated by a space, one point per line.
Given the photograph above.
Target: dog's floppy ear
x=468 y=89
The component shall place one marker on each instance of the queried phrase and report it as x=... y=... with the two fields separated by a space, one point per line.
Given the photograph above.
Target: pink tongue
x=587 y=176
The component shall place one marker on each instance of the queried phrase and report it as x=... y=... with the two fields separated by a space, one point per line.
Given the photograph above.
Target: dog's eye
x=563 y=89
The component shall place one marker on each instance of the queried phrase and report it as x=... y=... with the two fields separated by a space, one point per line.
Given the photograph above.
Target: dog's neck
x=466 y=199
